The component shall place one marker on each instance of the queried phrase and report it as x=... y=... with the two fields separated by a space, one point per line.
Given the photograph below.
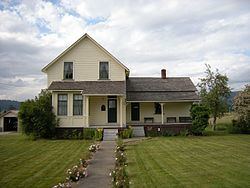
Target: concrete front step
x=110 y=134
x=138 y=131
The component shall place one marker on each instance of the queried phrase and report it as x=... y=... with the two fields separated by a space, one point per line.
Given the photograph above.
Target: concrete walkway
x=99 y=168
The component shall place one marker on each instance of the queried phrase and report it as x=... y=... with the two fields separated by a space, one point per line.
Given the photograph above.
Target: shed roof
x=14 y=112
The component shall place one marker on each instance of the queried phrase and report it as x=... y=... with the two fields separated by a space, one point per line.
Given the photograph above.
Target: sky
x=180 y=36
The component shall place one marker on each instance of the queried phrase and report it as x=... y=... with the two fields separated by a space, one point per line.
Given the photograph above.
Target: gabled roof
x=91 y=87
x=77 y=42
x=158 y=89
x=7 y=112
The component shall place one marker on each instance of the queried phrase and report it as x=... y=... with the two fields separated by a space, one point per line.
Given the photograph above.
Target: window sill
x=104 y=79
x=68 y=80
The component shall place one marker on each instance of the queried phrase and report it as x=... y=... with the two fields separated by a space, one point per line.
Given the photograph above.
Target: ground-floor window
x=62 y=104
x=171 y=119
x=185 y=119
x=77 y=104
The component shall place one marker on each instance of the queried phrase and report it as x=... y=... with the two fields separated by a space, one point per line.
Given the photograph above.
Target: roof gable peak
x=86 y=35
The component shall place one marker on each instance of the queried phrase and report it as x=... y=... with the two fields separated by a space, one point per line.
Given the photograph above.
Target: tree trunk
x=214 y=123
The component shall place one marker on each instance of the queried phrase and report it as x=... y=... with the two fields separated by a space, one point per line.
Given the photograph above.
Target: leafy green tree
x=37 y=118
x=200 y=115
x=214 y=91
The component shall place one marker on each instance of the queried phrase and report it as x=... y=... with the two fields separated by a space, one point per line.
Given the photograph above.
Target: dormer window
x=68 y=70
x=104 y=70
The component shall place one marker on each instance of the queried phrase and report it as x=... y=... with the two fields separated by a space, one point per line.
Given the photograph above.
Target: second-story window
x=68 y=70
x=104 y=70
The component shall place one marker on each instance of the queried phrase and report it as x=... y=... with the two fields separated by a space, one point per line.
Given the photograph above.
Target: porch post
x=162 y=113
x=120 y=111
x=87 y=110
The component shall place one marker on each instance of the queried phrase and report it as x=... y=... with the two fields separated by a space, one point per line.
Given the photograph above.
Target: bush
x=126 y=133
x=240 y=126
x=98 y=134
x=200 y=116
x=37 y=118
x=69 y=133
x=160 y=131
x=91 y=134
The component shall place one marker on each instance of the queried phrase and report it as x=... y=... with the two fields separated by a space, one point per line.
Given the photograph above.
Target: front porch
x=158 y=113
x=105 y=111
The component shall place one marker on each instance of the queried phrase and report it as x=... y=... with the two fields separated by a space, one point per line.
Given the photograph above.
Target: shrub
x=69 y=133
x=126 y=133
x=98 y=134
x=200 y=116
x=91 y=134
x=160 y=131
x=240 y=126
x=37 y=118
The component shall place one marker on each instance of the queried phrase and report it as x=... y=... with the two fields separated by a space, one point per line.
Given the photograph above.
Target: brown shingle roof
x=159 y=84
x=91 y=87
x=158 y=89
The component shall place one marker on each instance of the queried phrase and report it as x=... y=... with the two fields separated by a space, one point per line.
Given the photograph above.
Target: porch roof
x=158 y=89
x=91 y=87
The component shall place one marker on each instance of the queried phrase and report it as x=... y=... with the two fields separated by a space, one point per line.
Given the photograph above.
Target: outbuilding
x=9 y=121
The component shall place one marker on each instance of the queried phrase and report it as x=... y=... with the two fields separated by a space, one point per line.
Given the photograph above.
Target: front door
x=135 y=111
x=112 y=110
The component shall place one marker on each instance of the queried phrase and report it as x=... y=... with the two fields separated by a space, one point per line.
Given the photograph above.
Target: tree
x=200 y=115
x=214 y=91
x=37 y=118
x=241 y=106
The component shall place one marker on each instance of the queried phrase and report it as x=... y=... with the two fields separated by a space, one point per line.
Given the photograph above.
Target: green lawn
x=209 y=161
x=42 y=163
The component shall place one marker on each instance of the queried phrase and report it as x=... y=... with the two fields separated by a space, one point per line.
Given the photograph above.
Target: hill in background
x=9 y=105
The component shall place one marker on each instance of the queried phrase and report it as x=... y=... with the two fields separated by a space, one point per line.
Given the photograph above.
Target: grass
x=41 y=163
x=208 y=161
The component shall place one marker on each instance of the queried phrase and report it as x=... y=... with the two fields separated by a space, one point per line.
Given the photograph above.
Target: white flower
x=110 y=174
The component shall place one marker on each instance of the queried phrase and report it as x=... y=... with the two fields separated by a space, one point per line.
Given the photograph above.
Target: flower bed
x=78 y=171
x=119 y=175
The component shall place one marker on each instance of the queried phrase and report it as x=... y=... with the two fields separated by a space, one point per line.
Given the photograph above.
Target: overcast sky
x=146 y=36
